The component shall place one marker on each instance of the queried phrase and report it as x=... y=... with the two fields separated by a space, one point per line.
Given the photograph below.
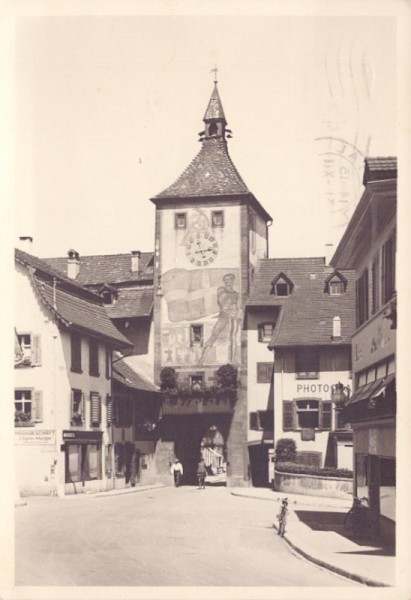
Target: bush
x=286 y=450
x=291 y=467
x=226 y=377
x=168 y=378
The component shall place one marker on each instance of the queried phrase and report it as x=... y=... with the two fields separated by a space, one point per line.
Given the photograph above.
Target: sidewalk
x=315 y=530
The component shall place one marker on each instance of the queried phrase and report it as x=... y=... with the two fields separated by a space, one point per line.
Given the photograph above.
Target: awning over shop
x=375 y=389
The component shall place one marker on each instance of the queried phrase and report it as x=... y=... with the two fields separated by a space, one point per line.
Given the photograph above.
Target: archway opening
x=214 y=452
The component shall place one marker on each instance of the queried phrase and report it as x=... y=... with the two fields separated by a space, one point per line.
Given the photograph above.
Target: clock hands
x=201 y=250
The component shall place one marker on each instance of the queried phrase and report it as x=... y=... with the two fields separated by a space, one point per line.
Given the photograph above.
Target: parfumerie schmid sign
x=35 y=436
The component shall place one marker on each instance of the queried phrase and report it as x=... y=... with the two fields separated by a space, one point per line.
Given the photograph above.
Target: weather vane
x=215 y=70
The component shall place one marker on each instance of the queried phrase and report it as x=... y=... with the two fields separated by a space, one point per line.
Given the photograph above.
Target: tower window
x=196 y=335
x=217 y=218
x=180 y=220
x=196 y=382
x=212 y=130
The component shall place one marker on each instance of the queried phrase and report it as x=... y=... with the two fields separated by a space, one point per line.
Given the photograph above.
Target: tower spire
x=214 y=118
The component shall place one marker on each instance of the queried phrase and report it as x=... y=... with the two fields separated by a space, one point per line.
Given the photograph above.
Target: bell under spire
x=214 y=118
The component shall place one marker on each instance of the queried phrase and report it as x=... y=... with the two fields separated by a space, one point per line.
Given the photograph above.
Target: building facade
x=64 y=342
x=369 y=246
x=303 y=311
x=210 y=233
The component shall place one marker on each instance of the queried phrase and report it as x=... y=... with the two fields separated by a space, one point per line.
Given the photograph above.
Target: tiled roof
x=306 y=315
x=132 y=302
x=75 y=311
x=130 y=377
x=211 y=173
x=73 y=305
x=379 y=168
x=109 y=268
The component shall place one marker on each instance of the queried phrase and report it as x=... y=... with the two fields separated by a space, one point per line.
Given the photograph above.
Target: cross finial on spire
x=215 y=70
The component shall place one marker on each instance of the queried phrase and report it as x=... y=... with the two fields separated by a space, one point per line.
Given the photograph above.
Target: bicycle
x=356 y=519
x=282 y=517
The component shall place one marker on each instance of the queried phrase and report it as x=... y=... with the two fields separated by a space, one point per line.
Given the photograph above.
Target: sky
x=108 y=110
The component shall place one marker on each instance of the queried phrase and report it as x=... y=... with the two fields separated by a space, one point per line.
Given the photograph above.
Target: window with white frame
x=307 y=413
x=28 y=406
x=29 y=349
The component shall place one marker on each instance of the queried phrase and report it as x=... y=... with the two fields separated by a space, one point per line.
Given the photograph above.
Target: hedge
x=289 y=467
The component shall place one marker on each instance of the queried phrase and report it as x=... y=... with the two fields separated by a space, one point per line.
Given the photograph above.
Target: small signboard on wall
x=35 y=437
x=307 y=434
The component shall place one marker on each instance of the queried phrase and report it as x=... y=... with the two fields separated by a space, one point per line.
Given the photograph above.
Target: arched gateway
x=210 y=233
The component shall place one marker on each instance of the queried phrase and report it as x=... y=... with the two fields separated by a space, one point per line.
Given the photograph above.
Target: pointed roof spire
x=215 y=108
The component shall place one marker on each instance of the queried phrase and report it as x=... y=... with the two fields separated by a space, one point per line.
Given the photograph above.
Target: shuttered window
x=264 y=372
x=108 y=363
x=76 y=353
x=288 y=415
x=262 y=420
x=307 y=413
x=93 y=357
x=109 y=409
x=30 y=347
x=77 y=408
x=95 y=409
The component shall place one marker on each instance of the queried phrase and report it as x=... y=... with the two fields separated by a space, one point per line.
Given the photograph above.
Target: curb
x=333 y=568
x=353 y=576
x=111 y=493
x=126 y=491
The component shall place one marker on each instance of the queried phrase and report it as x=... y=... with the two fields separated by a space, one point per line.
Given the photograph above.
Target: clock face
x=201 y=249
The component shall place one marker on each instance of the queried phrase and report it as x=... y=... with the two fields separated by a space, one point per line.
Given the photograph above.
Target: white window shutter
x=36 y=350
x=37 y=406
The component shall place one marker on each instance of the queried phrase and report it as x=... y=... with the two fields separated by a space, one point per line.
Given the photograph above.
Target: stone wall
x=313 y=485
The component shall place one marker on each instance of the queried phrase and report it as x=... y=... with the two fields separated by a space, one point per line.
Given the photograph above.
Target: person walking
x=201 y=473
x=177 y=471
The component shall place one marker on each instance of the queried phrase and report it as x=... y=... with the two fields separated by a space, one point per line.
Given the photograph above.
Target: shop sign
x=374 y=342
x=35 y=437
x=82 y=437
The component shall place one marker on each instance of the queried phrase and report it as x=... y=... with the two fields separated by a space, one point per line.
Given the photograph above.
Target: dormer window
x=108 y=293
x=335 y=284
x=281 y=286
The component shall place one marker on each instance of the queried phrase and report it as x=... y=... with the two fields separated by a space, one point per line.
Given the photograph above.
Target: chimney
x=26 y=243
x=328 y=253
x=135 y=261
x=336 y=328
x=73 y=264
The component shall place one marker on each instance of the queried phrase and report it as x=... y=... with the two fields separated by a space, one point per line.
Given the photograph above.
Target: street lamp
x=340 y=393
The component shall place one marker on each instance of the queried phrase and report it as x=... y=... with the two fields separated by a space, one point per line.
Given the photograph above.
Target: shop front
x=83 y=461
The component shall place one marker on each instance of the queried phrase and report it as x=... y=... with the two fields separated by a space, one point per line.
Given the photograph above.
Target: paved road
x=173 y=537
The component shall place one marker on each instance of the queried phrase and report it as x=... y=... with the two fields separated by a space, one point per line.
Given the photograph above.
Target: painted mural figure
x=229 y=316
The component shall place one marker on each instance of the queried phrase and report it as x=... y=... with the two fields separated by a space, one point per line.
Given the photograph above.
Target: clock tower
x=210 y=233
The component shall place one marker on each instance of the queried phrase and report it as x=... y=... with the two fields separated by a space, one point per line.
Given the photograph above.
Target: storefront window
x=387 y=487
x=83 y=462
